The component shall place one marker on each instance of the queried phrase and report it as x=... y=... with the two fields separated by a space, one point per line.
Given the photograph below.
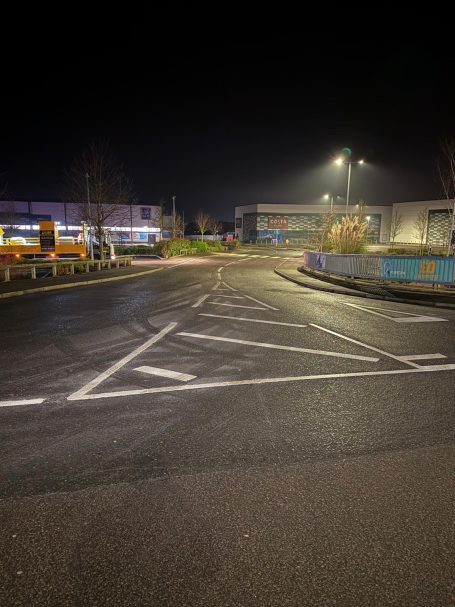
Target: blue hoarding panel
x=418 y=269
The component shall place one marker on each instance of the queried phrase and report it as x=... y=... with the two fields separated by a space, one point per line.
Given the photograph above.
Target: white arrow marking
x=166 y=373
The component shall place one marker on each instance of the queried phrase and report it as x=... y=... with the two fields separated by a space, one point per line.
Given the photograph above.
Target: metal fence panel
x=435 y=270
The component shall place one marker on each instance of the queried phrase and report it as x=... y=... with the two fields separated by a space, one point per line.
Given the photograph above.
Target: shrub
x=348 y=236
x=214 y=245
x=200 y=246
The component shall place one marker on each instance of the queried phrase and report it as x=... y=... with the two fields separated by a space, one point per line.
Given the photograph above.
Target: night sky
x=223 y=123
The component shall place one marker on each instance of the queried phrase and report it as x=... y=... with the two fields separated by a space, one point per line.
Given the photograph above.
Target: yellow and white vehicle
x=47 y=244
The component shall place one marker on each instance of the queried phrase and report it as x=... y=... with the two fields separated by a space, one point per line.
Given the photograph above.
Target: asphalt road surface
x=212 y=434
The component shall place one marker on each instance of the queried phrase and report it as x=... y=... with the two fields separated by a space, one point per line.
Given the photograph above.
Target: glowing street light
x=339 y=162
x=326 y=197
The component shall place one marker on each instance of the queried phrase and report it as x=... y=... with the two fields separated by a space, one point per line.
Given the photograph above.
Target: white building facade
x=263 y=222
x=136 y=223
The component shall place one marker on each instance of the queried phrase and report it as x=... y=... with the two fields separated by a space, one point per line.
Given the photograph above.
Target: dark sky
x=222 y=122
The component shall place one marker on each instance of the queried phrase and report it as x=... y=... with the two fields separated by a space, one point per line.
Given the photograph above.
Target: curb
x=81 y=283
x=417 y=302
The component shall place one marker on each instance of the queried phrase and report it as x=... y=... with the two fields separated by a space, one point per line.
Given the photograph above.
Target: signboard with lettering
x=278 y=222
x=418 y=269
x=47 y=236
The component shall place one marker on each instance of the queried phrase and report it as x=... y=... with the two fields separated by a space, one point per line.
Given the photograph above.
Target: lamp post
x=87 y=176
x=339 y=162
x=326 y=197
x=173 y=216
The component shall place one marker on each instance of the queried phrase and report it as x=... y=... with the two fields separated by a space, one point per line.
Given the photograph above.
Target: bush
x=133 y=250
x=214 y=245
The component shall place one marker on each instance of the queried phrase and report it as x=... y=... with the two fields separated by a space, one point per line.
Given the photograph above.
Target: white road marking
x=219 y=269
x=409 y=317
x=16 y=403
x=420 y=319
x=423 y=356
x=359 y=343
x=259 y=344
x=199 y=301
x=230 y=296
x=228 y=286
x=216 y=303
x=118 y=365
x=165 y=373
x=268 y=322
x=261 y=302
x=262 y=380
x=217 y=287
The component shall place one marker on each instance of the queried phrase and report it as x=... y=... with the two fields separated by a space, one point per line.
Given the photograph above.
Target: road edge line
x=81 y=283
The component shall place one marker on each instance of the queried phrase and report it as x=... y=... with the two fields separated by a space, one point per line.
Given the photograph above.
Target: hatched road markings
x=259 y=344
x=268 y=322
x=166 y=373
x=85 y=393
x=407 y=316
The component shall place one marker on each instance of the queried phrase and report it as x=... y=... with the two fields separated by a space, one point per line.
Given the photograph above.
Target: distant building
x=136 y=223
x=301 y=223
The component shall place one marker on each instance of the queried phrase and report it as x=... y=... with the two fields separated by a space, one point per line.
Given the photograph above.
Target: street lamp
x=326 y=197
x=87 y=177
x=339 y=162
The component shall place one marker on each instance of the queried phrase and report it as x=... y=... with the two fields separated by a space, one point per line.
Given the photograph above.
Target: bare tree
x=202 y=221
x=8 y=216
x=446 y=172
x=396 y=226
x=215 y=226
x=421 y=227
x=177 y=225
x=97 y=180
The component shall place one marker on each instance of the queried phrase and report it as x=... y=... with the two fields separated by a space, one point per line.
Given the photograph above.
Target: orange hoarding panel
x=279 y=222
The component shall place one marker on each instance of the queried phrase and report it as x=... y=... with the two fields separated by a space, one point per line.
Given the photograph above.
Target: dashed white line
x=258 y=344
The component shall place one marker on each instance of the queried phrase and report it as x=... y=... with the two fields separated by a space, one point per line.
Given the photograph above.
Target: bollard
x=54 y=269
x=6 y=276
x=72 y=268
x=87 y=266
x=33 y=272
